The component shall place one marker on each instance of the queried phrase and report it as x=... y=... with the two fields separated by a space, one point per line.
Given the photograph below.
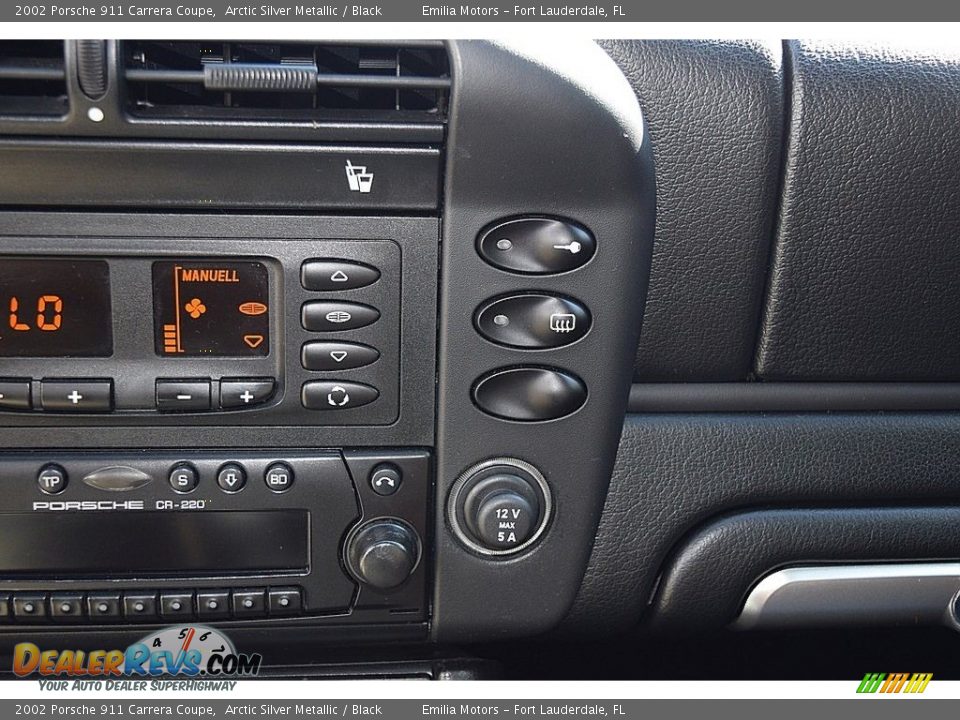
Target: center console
x=347 y=367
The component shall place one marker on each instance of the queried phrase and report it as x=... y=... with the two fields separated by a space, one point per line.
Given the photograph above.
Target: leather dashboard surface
x=714 y=110
x=674 y=472
x=858 y=219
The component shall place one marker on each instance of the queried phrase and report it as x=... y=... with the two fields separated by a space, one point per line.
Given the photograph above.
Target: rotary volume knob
x=500 y=507
x=383 y=553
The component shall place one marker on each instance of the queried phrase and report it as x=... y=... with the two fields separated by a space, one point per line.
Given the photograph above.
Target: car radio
x=108 y=538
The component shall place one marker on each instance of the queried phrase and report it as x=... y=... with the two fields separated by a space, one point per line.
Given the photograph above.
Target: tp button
x=52 y=479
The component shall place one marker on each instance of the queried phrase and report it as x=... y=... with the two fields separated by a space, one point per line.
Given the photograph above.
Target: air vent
x=286 y=81
x=32 y=78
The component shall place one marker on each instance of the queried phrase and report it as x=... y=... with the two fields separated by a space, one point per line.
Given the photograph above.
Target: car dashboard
x=420 y=354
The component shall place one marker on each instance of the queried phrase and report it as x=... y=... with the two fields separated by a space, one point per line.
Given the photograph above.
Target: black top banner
x=419 y=11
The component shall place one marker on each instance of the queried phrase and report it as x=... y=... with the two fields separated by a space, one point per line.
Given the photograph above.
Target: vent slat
x=32 y=78
x=165 y=76
x=12 y=72
x=286 y=80
x=384 y=81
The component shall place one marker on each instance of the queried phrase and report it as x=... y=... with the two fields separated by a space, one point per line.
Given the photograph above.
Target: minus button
x=192 y=395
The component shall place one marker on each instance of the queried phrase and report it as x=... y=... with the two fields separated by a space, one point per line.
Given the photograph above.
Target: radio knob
x=383 y=553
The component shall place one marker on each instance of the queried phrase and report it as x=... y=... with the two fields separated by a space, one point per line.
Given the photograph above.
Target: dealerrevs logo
x=191 y=650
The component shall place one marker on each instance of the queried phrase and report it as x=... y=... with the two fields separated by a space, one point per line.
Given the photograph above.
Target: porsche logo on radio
x=95 y=505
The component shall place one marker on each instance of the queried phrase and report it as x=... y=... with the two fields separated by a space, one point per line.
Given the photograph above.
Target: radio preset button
x=213 y=604
x=14 y=394
x=66 y=608
x=4 y=608
x=52 y=479
x=231 y=477
x=176 y=604
x=331 y=275
x=183 y=395
x=82 y=396
x=336 y=316
x=244 y=392
x=284 y=601
x=105 y=605
x=140 y=606
x=29 y=607
x=326 y=356
x=248 y=603
x=337 y=395
x=279 y=477
x=184 y=478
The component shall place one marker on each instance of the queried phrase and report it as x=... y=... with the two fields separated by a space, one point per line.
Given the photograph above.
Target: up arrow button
x=328 y=275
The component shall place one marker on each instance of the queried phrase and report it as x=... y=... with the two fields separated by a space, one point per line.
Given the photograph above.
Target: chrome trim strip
x=880 y=594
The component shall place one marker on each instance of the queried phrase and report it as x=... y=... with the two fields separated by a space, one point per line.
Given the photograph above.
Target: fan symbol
x=195 y=308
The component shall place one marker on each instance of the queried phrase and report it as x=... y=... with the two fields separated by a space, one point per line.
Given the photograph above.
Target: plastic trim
x=792 y=397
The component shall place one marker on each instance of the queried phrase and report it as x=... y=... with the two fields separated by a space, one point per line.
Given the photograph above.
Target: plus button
x=75 y=397
x=247 y=396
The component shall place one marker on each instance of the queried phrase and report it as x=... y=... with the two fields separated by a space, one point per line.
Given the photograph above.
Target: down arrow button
x=327 y=356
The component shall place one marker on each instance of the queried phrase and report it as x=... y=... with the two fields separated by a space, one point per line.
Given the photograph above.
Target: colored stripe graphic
x=891 y=683
x=871 y=682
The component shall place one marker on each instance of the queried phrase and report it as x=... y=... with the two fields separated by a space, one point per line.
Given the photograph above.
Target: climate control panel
x=300 y=332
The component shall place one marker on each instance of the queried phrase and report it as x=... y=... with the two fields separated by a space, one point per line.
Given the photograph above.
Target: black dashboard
x=422 y=344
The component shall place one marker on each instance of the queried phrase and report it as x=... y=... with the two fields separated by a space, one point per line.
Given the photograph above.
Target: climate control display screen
x=211 y=308
x=55 y=308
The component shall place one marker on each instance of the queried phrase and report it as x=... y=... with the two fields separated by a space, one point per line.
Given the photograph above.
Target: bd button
x=533 y=321
x=278 y=477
